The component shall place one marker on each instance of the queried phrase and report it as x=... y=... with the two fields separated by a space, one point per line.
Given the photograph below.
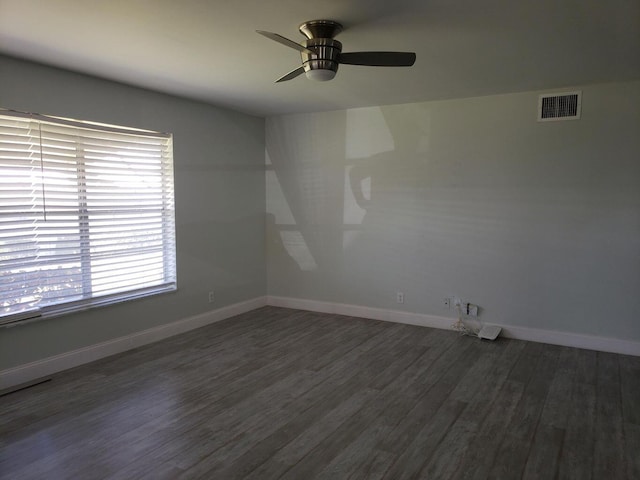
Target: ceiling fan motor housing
x=323 y=64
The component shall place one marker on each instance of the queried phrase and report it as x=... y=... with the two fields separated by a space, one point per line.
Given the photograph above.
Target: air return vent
x=559 y=106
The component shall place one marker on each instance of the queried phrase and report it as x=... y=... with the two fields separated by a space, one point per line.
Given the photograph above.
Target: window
x=86 y=215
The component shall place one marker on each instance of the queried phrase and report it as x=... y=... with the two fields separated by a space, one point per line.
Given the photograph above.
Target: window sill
x=53 y=311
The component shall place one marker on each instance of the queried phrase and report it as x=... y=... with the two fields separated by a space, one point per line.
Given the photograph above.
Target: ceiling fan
x=321 y=54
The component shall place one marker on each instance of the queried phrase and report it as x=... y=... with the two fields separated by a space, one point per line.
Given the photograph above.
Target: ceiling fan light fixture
x=320 y=75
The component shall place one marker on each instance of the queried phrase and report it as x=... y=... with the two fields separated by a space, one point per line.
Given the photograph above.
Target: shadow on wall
x=339 y=185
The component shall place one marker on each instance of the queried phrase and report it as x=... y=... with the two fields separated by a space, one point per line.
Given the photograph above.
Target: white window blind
x=86 y=215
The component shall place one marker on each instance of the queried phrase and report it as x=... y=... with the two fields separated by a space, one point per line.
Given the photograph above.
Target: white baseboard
x=577 y=340
x=48 y=366
x=589 y=342
x=362 y=312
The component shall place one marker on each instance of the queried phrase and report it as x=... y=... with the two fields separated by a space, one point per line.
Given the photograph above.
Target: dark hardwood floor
x=278 y=393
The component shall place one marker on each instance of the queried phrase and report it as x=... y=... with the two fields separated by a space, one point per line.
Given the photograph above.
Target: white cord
x=460 y=326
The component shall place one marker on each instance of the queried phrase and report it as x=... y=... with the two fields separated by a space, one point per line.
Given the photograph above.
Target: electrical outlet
x=212 y=297
x=447 y=302
x=399 y=297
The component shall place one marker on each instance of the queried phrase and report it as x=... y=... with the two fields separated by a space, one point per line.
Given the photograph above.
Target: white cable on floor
x=461 y=327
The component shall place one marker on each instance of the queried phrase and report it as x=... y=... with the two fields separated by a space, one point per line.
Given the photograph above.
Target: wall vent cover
x=559 y=106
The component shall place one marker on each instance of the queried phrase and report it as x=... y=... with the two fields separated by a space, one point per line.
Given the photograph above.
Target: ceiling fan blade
x=378 y=59
x=285 y=41
x=292 y=74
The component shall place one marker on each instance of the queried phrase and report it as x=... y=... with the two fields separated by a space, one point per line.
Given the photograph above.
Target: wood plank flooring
x=279 y=393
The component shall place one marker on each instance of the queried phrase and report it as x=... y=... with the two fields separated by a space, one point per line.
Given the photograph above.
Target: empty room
x=334 y=240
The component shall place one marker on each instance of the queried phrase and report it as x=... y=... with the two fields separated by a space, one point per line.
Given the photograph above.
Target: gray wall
x=538 y=223
x=219 y=192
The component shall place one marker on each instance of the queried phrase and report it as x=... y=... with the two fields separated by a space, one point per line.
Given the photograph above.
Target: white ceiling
x=208 y=49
